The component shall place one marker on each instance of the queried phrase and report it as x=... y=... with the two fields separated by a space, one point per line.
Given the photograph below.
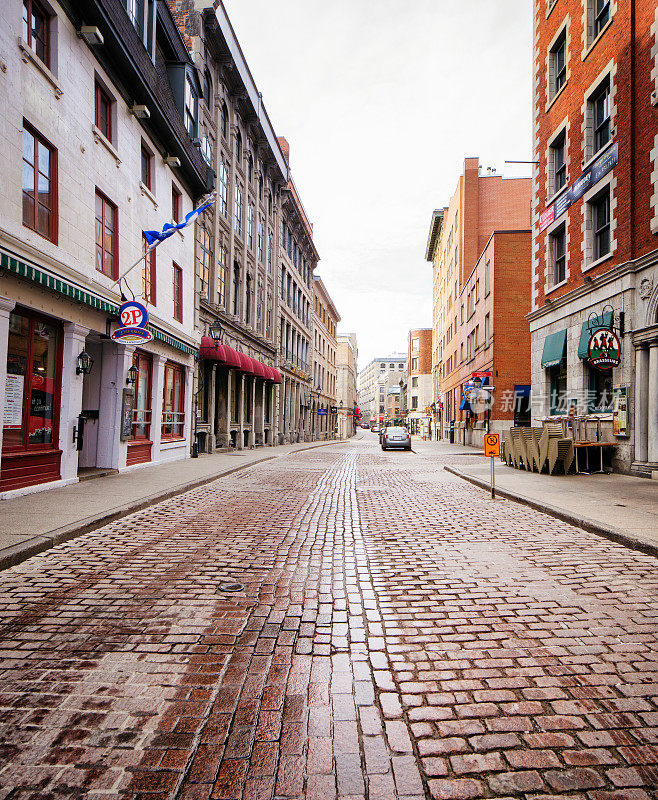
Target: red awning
x=232 y=357
x=245 y=363
x=260 y=370
x=276 y=375
x=208 y=350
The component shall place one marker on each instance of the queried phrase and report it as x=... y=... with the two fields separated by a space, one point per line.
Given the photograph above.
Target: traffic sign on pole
x=492 y=449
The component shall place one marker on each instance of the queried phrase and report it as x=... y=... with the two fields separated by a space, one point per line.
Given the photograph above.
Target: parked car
x=396 y=437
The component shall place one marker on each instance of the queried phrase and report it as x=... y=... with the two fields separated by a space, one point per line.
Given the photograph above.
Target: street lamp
x=216 y=332
x=131 y=378
x=85 y=363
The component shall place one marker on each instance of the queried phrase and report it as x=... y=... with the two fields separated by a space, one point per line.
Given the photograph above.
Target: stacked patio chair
x=554 y=448
x=531 y=438
x=518 y=448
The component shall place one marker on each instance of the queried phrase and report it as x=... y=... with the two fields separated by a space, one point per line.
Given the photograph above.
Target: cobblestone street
x=341 y=623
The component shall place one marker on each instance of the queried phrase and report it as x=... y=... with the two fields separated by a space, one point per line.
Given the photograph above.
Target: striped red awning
x=210 y=351
x=275 y=375
x=232 y=357
x=260 y=370
x=225 y=354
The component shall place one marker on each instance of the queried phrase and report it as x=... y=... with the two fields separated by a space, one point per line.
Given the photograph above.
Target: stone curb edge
x=585 y=523
x=16 y=554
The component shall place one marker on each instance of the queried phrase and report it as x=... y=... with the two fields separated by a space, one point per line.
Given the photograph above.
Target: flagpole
x=139 y=260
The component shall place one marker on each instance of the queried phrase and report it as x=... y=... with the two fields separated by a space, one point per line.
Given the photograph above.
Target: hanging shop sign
x=599 y=169
x=604 y=349
x=133 y=318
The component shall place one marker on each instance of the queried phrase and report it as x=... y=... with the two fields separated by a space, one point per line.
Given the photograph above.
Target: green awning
x=590 y=326
x=555 y=349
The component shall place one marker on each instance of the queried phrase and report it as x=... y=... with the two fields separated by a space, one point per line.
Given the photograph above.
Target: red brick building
x=595 y=217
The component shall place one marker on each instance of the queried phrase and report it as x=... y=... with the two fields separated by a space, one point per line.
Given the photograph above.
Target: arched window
x=250 y=168
x=207 y=87
x=260 y=186
x=224 y=120
x=269 y=201
x=238 y=146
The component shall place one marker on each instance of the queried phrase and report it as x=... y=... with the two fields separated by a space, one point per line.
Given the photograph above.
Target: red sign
x=480 y=374
x=547 y=218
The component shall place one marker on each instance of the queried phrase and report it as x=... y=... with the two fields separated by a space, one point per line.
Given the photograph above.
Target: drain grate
x=230 y=586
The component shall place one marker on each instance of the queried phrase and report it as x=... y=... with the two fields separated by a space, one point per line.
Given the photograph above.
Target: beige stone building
x=347 y=354
x=419 y=381
x=324 y=407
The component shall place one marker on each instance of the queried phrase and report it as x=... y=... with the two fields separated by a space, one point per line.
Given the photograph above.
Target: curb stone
x=608 y=532
x=17 y=553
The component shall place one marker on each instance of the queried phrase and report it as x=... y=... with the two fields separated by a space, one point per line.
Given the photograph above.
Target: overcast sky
x=381 y=101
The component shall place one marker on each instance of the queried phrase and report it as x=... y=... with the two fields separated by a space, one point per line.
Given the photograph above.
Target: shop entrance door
x=91 y=402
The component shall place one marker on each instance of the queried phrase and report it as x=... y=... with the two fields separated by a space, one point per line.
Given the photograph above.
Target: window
x=487 y=330
x=33 y=382
x=414 y=403
x=261 y=237
x=178 y=293
x=223 y=188
x=147 y=167
x=36 y=29
x=268 y=317
x=559 y=62
x=175 y=204
x=414 y=383
x=39 y=184
x=414 y=345
x=190 y=108
x=207 y=87
x=238 y=147
x=222 y=265
x=487 y=283
x=103 y=114
x=559 y=155
x=142 y=16
x=558 y=388
x=601 y=224
x=173 y=402
x=259 y=306
x=559 y=255
x=477 y=290
x=107 y=245
x=250 y=226
x=205 y=259
x=250 y=168
x=223 y=122
x=142 y=403
x=599 y=396
x=148 y=273
x=476 y=337
x=600 y=104
x=236 y=289
x=601 y=15
x=414 y=365
x=400 y=367
x=247 y=308
x=237 y=211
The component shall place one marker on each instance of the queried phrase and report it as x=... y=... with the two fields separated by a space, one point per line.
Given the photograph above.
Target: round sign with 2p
x=134 y=318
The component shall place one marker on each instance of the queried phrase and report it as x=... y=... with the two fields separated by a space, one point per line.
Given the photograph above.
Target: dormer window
x=191 y=108
x=142 y=16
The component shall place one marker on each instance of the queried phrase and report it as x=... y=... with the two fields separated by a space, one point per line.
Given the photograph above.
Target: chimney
x=285 y=148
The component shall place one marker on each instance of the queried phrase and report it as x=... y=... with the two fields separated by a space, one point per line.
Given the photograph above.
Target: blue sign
x=599 y=169
x=322 y=412
x=134 y=318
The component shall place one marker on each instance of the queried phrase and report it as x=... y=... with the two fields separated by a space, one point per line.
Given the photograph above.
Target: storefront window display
x=173 y=402
x=142 y=406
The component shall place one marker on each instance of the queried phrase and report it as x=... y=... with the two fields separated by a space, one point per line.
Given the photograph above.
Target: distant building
x=458 y=235
x=375 y=380
x=346 y=368
x=393 y=404
x=325 y=323
x=419 y=381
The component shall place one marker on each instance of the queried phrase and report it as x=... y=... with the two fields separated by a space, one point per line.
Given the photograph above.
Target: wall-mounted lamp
x=84 y=363
x=131 y=378
x=139 y=111
x=91 y=34
x=172 y=161
x=216 y=332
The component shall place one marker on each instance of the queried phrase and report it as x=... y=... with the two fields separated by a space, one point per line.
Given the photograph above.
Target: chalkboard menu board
x=127 y=403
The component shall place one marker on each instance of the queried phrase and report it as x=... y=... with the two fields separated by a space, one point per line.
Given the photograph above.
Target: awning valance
x=555 y=349
x=590 y=326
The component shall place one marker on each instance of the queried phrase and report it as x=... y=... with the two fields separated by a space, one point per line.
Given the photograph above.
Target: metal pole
x=493 y=486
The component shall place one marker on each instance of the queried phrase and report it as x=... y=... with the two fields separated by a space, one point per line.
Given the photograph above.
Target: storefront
x=76 y=403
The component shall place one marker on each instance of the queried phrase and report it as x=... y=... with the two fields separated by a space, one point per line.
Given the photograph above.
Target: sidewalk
x=35 y=522
x=620 y=507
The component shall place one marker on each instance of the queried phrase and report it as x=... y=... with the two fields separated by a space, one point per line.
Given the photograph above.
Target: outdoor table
x=584 y=446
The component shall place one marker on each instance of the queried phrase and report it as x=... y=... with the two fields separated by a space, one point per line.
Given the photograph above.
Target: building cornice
x=434 y=234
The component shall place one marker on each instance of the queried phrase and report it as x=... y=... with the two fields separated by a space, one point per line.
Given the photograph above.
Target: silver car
x=396 y=437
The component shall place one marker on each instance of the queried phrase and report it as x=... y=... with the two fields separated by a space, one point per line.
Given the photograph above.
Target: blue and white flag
x=155 y=237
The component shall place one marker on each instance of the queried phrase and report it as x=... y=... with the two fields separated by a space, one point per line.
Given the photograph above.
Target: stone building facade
x=347 y=355
x=481 y=204
x=98 y=145
x=380 y=375
x=324 y=406
x=595 y=221
x=238 y=241
x=419 y=381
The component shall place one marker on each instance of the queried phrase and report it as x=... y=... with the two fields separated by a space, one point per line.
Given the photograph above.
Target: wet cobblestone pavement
x=395 y=634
